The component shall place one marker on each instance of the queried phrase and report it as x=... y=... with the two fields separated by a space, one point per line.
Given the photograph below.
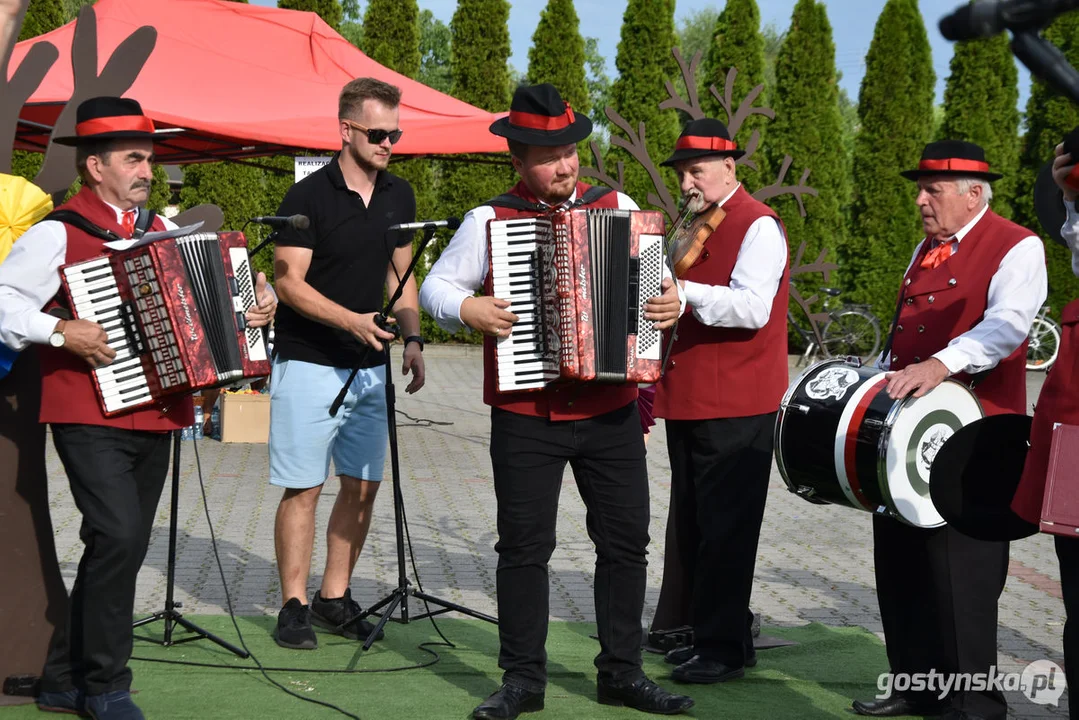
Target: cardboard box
x=245 y=418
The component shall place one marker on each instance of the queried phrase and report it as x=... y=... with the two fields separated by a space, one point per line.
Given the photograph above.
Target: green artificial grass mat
x=815 y=679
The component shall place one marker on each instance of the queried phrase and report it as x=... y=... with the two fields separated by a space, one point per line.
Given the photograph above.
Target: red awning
x=244 y=81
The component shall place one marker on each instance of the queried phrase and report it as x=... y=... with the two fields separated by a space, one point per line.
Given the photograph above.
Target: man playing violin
x=968 y=298
x=719 y=396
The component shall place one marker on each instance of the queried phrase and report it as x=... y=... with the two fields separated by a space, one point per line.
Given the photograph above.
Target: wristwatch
x=57 y=338
x=415 y=339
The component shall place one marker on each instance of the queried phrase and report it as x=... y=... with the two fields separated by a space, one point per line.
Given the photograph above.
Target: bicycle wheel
x=852 y=332
x=1043 y=344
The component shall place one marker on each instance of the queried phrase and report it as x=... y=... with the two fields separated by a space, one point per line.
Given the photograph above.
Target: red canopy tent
x=244 y=80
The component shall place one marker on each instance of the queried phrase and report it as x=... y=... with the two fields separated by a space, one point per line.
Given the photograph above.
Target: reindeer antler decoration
x=736 y=117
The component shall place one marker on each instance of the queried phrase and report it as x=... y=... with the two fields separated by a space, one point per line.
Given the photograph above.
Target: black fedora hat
x=1049 y=198
x=704 y=137
x=539 y=116
x=953 y=157
x=975 y=475
x=109 y=118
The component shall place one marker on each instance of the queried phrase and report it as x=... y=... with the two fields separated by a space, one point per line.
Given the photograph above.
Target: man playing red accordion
x=595 y=428
x=116 y=465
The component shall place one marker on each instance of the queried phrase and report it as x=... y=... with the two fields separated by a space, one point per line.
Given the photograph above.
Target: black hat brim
x=572 y=134
x=689 y=154
x=915 y=174
x=76 y=140
x=975 y=475
x=1049 y=204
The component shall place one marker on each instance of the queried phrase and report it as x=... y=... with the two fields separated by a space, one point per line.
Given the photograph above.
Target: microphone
x=992 y=17
x=451 y=223
x=296 y=222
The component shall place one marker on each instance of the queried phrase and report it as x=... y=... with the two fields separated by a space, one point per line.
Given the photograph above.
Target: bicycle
x=851 y=330
x=1043 y=342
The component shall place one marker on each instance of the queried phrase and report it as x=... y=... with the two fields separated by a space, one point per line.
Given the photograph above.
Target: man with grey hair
x=965 y=307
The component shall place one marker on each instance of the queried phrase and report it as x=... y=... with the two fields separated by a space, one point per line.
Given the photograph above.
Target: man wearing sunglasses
x=330 y=279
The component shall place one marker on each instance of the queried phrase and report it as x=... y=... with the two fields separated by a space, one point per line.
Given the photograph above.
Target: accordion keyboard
x=96 y=297
x=522 y=363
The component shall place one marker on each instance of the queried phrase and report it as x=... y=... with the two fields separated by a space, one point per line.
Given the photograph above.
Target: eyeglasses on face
x=375 y=136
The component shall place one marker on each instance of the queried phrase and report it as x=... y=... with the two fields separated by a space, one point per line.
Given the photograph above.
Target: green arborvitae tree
x=737 y=42
x=1049 y=118
x=644 y=64
x=479 y=60
x=895 y=107
x=557 y=56
x=808 y=127
x=392 y=35
x=981 y=106
x=329 y=10
x=42 y=16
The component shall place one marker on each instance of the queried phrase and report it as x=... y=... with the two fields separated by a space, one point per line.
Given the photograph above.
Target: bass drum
x=840 y=439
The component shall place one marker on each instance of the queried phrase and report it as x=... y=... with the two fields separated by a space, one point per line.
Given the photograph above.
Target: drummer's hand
x=663 y=309
x=919 y=379
x=1062 y=167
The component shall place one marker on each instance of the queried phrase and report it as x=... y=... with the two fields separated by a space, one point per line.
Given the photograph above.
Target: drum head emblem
x=832 y=382
x=930 y=445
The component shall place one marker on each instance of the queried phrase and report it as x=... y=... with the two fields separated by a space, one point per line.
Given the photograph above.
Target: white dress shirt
x=747 y=301
x=1016 y=294
x=1070 y=231
x=30 y=278
x=462 y=267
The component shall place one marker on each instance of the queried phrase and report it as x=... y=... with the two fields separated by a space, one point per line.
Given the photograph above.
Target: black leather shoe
x=643 y=695
x=683 y=654
x=679 y=655
x=509 y=702
x=898 y=705
x=705 y=672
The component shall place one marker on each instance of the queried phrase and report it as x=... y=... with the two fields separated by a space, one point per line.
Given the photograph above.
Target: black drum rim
x=781 y=416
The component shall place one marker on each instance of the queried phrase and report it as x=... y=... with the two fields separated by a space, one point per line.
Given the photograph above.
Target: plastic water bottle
x=187 y=433
x=215 y=421
x=199 y=420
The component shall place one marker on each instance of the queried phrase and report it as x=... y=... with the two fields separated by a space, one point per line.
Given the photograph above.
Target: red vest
x=1058 y=403
x=562 y=401
x=719 y=372
x=947 y=301
x=67 y=386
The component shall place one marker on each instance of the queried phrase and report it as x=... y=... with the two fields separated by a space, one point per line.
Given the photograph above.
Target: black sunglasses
x=375 y=136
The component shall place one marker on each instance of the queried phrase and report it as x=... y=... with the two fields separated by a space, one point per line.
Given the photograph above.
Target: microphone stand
x=1047 y=62
x=398 y=597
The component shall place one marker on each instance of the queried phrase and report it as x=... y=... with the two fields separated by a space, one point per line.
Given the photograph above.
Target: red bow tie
x=937 y=255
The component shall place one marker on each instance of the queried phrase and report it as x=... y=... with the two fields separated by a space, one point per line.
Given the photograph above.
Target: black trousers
x=529 y=456
x=719 y=486
x=1068 y=555
x=116 y=478
x=938 y=591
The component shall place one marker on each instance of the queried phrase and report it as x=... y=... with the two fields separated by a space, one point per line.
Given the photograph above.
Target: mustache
x=139 y=184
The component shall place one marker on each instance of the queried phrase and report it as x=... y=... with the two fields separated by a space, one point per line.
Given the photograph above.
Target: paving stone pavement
x=814 y=562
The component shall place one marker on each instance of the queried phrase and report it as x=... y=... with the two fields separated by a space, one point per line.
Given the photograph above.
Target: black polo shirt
x=351 y=256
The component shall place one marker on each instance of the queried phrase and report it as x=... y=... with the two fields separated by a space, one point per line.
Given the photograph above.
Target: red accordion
x=578 y=280
x=174 y=313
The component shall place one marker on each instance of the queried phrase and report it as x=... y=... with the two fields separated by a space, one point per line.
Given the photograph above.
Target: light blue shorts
x=303 y=435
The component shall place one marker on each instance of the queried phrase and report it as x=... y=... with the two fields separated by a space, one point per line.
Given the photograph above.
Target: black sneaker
x=294 y=629
x=333 y=614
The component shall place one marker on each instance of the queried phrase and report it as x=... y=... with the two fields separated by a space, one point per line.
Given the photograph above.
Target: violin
x=685 y=241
